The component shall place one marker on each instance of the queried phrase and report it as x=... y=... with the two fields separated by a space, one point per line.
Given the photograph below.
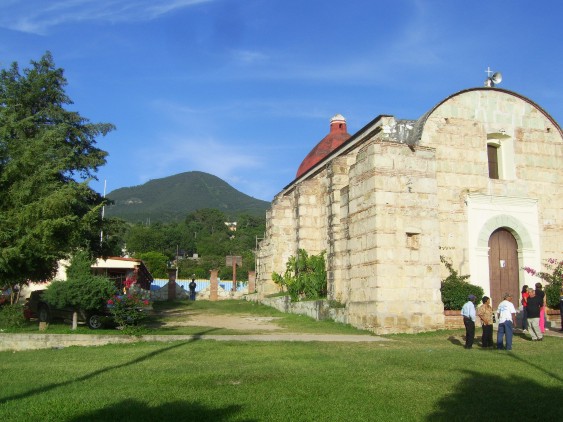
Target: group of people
x=533 y=318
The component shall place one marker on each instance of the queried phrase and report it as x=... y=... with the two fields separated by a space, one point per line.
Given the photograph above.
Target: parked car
x=37 y=307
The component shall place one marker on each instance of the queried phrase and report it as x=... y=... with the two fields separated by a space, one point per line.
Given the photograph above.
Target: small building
x=120 y=269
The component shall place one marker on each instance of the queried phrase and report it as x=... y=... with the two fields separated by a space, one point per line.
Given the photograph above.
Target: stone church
x=477 y=179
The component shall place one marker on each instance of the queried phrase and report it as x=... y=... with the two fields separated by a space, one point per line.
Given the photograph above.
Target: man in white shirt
x=468 y=314
x=506 y=321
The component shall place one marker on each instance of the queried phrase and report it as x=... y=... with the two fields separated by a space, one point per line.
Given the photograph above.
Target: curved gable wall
x=530 y=145
x=484 y=98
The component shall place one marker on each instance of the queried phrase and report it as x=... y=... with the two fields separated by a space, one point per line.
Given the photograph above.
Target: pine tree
x=48 y=155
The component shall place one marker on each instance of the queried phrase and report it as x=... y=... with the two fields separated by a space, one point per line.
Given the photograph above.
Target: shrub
x=304 y=277
x=11 y=316
x=553 y=279
x=127 y=309
x=87 y=292
x=455 y=289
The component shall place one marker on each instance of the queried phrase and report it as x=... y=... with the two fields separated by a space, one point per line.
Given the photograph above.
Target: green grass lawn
x=289 y=323
x=412 y=378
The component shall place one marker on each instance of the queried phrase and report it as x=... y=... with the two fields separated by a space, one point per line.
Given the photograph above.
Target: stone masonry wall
x=394 y=261
x=279 y=243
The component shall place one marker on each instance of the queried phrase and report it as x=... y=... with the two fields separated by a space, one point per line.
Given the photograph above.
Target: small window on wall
x=493 y=156
x=413 y=240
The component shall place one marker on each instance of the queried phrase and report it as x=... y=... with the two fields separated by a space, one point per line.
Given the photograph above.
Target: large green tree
x=48 y=155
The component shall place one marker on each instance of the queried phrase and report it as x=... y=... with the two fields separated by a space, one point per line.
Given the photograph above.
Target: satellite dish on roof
x=496 y=78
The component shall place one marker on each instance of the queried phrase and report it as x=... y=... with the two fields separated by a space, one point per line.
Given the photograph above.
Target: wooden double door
x=503 y=267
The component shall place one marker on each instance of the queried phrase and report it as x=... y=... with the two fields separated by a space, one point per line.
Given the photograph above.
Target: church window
x=493 y=157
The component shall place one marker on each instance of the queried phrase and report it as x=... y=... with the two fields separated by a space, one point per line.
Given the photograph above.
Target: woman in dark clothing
x=485 y=313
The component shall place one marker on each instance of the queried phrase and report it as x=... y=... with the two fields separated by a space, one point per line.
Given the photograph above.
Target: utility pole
x=103 y=213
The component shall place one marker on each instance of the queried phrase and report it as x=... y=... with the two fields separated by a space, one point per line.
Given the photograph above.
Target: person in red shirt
x=524 y=302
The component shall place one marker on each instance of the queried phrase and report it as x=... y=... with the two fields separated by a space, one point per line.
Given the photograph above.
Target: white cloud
x=206 y=116
x=38 y=16
x=163 y=7
x=248 y=57
x=174 y=154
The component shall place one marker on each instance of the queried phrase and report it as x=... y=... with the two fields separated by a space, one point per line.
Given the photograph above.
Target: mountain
x=172 y=198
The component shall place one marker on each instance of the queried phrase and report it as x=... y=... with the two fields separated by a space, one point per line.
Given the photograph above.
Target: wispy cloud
x=223 y=159
x=248 y=57
x=205 y=116
x=38 y=16
x=160 y=8
x=231 y=162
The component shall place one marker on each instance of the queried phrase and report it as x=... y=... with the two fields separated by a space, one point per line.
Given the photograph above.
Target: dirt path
x=241 y=322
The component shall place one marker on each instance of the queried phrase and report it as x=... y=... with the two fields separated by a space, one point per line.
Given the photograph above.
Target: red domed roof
x=336 y=137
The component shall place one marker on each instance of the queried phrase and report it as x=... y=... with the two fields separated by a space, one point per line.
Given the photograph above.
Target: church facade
x=477 y=179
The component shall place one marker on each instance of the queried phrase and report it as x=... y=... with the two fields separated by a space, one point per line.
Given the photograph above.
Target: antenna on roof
x=493 y=80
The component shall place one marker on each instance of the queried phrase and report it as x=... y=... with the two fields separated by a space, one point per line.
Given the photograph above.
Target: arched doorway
x=503 y=266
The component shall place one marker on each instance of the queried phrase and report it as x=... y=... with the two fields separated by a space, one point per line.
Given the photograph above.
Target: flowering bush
x=127 y=309
x=129 y=281
x=553 y=278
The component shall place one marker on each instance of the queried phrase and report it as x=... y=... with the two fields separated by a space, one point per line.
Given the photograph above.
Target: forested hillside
x=172 y=198
x=204 y=234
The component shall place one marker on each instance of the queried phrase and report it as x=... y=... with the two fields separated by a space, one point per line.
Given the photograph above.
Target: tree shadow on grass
x=489 y=397
x=53 y=386
x=132 y=410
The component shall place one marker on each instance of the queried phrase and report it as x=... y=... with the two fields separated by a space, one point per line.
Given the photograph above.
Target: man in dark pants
x=534 y=306
x=192 y=287
x=468 y=314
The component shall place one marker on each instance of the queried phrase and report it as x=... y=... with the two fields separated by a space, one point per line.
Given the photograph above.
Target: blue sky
x=244 y=89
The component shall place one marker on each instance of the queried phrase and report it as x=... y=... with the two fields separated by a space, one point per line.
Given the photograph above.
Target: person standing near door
x=541 y=294
x=534 y=307
x=468 y=313
x=506 y=321
x=485 y=314
x=524 y=302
